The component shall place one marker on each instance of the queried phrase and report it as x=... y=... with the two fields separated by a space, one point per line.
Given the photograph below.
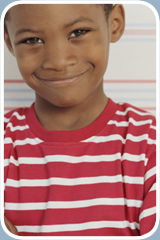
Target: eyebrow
x=23 y=30
x=80 y=19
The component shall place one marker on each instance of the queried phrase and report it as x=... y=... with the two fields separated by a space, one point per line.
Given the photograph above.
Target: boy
x=76 y=163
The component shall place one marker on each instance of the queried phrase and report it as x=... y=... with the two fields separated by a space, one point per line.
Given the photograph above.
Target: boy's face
x=61 y=50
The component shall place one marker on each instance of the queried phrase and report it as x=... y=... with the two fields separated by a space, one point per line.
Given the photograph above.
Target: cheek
x=99 y=59
x=26 y=62
x=98 y=51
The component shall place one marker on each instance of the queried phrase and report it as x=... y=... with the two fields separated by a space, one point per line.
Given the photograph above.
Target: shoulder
x=134 y=121
x=14 y=118
x=134 y=114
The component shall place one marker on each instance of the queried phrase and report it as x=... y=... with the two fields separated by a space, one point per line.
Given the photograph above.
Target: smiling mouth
x=62 y=81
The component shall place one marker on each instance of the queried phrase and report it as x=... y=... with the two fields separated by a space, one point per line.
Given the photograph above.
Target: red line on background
x=9 y=108
x=13 y=81
x=149 y=108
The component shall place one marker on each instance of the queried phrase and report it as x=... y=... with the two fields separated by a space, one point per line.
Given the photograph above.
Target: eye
x=78 y=32
x=33 y=40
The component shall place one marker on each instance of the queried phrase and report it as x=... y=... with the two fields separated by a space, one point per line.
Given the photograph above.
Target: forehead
x=27 y=12
x=51 y=17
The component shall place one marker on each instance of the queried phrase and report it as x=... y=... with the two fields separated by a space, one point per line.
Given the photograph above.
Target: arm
x=10 y=226
x=147 y=217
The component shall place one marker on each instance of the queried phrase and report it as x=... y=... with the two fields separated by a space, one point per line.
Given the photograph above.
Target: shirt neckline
x=70 y=136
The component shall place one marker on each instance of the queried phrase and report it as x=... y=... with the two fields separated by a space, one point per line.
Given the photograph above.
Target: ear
x=117 y=22
x=8 y=42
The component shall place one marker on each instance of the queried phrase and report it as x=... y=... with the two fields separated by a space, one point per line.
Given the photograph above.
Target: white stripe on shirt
x=78 y=226
x=74 y=181
x=76 y=159
x=73 y=204
x=147 y=212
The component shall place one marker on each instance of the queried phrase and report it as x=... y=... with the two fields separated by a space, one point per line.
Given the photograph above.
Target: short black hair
x=107 y=9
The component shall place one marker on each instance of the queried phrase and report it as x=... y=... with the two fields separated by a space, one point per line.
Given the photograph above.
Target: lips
x=63 y=80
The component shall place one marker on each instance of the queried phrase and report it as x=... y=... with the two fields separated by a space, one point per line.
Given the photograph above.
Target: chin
x=61 y=101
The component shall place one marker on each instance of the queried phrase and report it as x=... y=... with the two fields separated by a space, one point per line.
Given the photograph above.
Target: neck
x=75 y=117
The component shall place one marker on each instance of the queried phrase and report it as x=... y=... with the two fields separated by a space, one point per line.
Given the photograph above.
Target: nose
x=58 y=57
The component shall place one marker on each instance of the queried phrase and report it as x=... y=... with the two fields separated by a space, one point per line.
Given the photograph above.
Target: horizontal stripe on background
x=19 y=99
x=137 y=39
x=110 y=90
x=137 y=25
x=125 y=90
x=18 y=90
x=140 y=32
x=124 y=99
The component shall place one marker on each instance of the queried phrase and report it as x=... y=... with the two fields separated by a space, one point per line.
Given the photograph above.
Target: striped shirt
x=95 y=181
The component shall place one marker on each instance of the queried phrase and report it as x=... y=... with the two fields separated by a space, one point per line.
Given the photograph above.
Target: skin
x=10 y=226
x=62 y=53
